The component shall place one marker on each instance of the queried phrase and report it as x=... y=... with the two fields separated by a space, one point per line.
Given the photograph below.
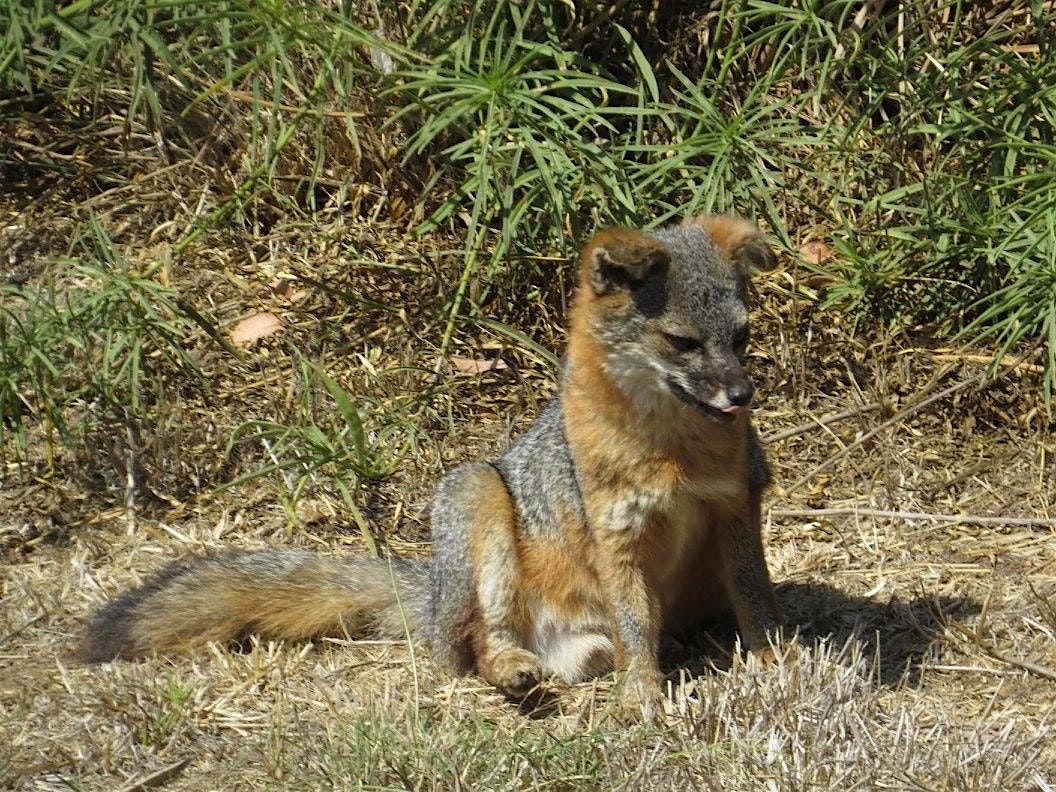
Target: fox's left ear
x=622 y=259
x=740 y=241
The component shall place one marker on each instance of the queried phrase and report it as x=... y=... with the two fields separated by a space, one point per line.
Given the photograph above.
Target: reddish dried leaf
x=283 y=288
x=815 y=252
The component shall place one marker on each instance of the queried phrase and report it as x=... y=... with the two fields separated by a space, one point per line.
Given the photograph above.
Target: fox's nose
x=739 y=395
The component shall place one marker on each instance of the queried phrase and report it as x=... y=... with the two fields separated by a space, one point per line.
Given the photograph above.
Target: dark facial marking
x=682 y=343
x=740 y=338
x=626 y=267
x=650 y=296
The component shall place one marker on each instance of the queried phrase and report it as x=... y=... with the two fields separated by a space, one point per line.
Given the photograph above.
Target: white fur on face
x=642 y=377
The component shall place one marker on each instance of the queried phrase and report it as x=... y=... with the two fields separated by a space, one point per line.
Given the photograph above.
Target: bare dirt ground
x=912 y=539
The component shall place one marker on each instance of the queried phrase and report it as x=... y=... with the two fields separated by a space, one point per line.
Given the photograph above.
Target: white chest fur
x=634 y=510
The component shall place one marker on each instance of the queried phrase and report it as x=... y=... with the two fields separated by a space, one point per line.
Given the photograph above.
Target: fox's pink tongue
x=733 y=409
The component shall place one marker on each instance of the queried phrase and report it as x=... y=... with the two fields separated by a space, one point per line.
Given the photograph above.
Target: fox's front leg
x=475 y=537
x=635 y=614
x=747 y=579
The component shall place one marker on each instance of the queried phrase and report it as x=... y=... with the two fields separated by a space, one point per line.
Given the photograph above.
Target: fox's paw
x=516 y=672
x=777 y=653
x=765 y=656
x=641 y=695
x=768 y=646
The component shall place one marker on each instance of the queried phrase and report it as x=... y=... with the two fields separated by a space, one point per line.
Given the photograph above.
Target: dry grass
x=905 y=677
x=927 y=649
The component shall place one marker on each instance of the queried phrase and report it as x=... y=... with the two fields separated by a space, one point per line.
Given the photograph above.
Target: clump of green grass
x=95 y=341
x=514 y=126
x=956 y=228
x=917 y=135
x=270 y=85
x=326 y=441
x=163 y=711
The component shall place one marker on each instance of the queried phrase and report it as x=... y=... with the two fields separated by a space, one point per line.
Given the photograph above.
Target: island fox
x=631 y=506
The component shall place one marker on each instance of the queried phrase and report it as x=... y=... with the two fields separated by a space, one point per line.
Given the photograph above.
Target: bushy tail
x=284 y=594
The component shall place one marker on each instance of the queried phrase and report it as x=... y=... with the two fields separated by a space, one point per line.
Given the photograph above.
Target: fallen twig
x=1027 y=665
x=896 y=418
x=21 y=628
x=968 y=519
x=784 y=434
x=1007 y=361
x=158 y=777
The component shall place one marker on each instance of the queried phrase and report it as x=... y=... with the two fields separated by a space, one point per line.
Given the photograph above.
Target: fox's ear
x=621 y=258
x=740 y=241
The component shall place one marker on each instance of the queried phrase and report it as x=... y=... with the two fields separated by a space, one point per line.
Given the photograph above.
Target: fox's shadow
x=899 y=633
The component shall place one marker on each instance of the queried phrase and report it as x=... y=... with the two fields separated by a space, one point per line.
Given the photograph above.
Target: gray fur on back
x=539 y=473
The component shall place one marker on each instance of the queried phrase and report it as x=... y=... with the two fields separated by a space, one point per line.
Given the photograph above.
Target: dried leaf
x=284 y=289
x=255 y=327
x=474 y=366
x=815 y=252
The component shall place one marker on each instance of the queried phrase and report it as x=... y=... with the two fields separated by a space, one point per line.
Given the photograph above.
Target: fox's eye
x=740 y=339
x=681 y=343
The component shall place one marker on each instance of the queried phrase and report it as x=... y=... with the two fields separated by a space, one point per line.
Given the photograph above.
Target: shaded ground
x=927 y=648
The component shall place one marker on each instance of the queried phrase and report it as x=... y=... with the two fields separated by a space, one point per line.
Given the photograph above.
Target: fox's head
x=667 y=310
